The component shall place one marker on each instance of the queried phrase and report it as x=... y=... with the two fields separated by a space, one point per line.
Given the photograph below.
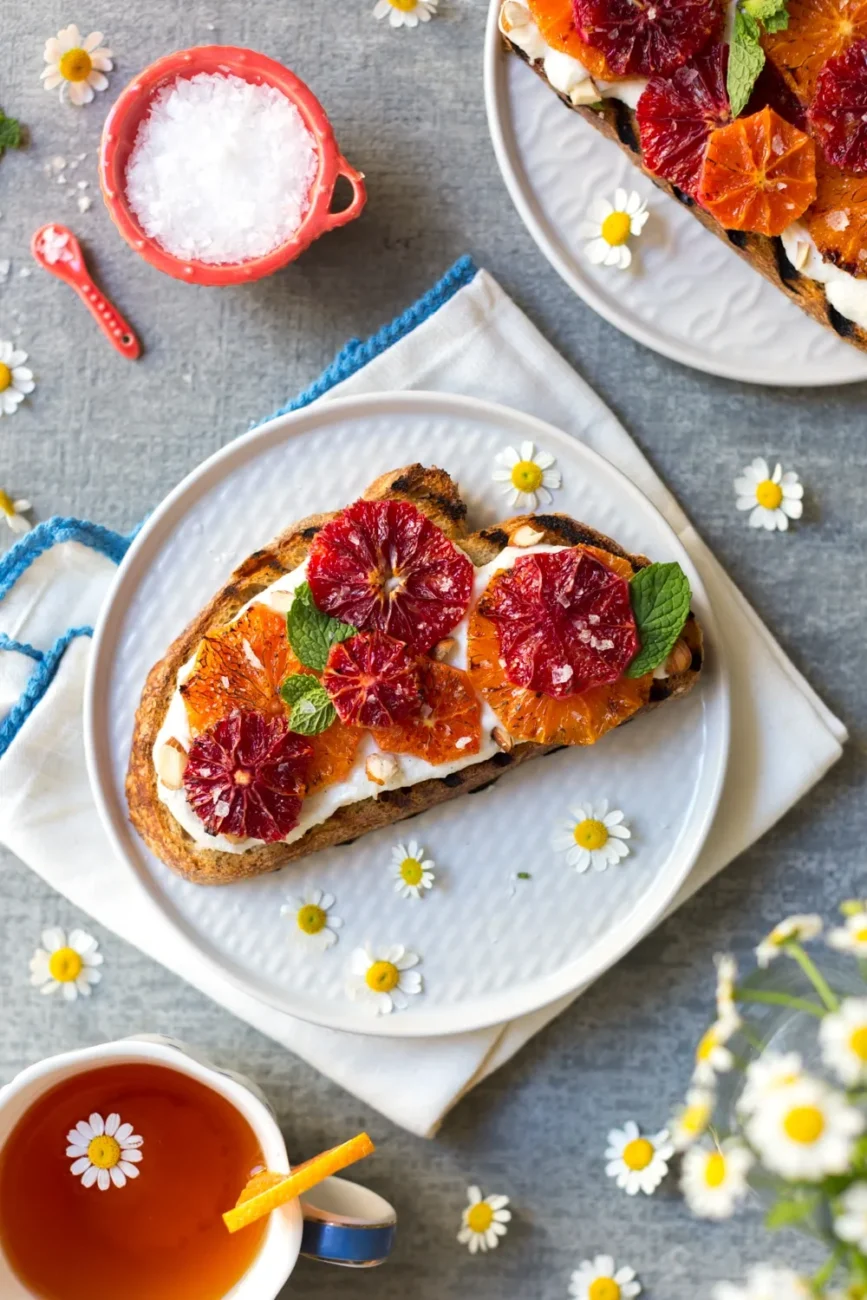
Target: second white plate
x=687 y=295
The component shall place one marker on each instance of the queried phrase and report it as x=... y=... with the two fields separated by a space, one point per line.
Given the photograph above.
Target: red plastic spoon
x=58 y=251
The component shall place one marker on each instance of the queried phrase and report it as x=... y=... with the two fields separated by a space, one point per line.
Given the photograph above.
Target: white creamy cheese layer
x=319 y=807
x=845 y=293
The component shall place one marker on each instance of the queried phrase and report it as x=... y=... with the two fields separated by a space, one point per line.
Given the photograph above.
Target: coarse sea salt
x=221 y=169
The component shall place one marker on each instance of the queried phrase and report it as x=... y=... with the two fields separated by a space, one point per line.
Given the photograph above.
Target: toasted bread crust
x=765 y=254
x=433 y=492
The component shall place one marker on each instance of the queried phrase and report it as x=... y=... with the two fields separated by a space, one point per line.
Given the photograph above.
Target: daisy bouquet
x=777 y=1107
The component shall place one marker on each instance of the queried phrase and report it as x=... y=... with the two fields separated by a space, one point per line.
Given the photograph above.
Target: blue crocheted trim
x=356 y=354
x=20 y=647
x=41 y=539
x=40 y=680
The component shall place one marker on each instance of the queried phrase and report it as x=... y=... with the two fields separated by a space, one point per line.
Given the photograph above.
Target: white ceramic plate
x=492 y=946
x=687 y=295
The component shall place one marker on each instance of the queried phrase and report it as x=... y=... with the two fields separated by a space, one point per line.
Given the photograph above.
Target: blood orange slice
x=838 y=219
x=242 y=666
x=531 y=715
x=556 y=22
x=817 y=30
x=245 y=777
x=676 y=115
x=759 y=174
x=564 y=620
x=384 y=567
x=640 y=37
x=373 y=680
x=838 y=113
x=449 y=726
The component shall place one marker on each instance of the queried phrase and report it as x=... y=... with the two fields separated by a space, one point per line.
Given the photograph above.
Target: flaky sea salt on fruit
x=221 y=169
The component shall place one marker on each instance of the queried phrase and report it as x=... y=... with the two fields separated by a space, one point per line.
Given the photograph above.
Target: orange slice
x=450 y=723
x=242 y=666
x=838 y=219
x=268 y=1191
x=759 y=174
x=818 y=30
x=556 y=22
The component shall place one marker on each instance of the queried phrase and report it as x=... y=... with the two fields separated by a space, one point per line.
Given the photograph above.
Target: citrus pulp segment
x=449 y=726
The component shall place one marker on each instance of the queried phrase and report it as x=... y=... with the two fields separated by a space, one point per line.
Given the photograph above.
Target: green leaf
x=767 y=12
x=310 y=709
x=746 y=59
x=312 y=633
x=660 y=597
x=786 y=1213
x=777 y=22
x=10 y=133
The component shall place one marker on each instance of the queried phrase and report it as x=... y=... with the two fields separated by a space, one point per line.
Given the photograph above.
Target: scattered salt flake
x=463 y=742
x=81 y=157
x=85 y=203
x=57 y=163
x=778 y=144
x=25 y=272
x=61 y=179
x=837 y=220
x=221 y=169
x=82 y=185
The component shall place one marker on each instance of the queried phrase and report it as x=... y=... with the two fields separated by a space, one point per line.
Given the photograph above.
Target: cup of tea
x=117 y=1163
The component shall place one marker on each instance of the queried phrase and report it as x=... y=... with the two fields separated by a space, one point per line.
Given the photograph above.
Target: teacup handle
x=347 y=1224
x=359 y=196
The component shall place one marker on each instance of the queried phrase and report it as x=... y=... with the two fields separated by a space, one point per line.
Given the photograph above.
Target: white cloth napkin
x=478 y=343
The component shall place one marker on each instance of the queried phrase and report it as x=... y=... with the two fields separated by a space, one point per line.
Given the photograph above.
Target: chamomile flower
x=593 y=837
x=638 y=1163
x=773 y=499
x=66 y=964
x=766 y=1075
x=16 y=380
x=527 y=475
x=843 y=1038
x=805 y=1131
x=714 y=1178
x=412 y=871
x=484 y=1221
x=712 y=1056
x=765 y=1282
x=383 y=981
x=601 y=1279
x=14 y=511
x=315 y=924
x=797 y=929
x=726 y=980
x=405 y=13
x=852 y=935
x=693 y=1118
x=850 y=1220
x=76 y=65
x=104 y=1152
x=610 y=227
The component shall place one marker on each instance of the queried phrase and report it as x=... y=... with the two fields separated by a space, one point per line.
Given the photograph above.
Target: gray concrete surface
x=106 y=439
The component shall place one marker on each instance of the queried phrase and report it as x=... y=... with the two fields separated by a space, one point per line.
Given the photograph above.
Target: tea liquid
x=161 y=1236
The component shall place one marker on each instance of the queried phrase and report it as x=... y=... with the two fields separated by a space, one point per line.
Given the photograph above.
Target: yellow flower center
x=861 y=935
x=410 y=871
x=604 y=1288
x=715 y=1169
x=858 y=1043
x=638 y=1154
x=382 y=976
x=591 y=834
x=5 y=376
x=65 y=965
x=769 y=494
x=7 y=505
x=694 y=1119
x=804 y=1124
x=480 y=1217
x=706 y=1046
x=616 y=228
x=104 y=1152
x=526 y=476
x=75 y=65
x=405 y=6
x=311 y=919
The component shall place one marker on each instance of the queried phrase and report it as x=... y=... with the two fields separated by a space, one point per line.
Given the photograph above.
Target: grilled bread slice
x=433 y=492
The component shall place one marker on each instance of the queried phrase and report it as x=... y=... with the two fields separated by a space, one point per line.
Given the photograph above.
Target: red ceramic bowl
x=118 y=138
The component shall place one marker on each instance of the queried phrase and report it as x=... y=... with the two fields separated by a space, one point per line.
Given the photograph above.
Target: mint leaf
x=660 y=598
x=312 y=633
x=766 y=12
x=10 y=133
x=777 y=22
x=310 y=709
x=746 y=58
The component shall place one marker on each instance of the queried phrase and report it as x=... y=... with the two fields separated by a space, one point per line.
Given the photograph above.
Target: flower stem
x=823 y=1276
x=776 y=999
x=814 y=975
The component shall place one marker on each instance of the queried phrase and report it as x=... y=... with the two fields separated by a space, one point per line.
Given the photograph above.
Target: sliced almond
x=171 y=764
x=679 y=658
x=381 y=768
x=525 y=536
x=802 y=254
x=502 y=739
x=444 y=649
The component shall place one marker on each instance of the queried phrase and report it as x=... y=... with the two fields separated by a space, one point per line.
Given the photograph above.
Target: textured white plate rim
x=492 y=1008
x=520 y=192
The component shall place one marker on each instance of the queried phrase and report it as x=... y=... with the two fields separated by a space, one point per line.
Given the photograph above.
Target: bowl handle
x=359 y=196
